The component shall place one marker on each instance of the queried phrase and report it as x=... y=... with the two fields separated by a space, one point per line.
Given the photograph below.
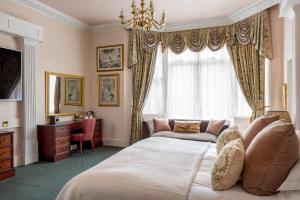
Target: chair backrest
x=88 y=128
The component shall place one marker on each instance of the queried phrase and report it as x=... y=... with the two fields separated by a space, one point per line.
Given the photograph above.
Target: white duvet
x=156 y=168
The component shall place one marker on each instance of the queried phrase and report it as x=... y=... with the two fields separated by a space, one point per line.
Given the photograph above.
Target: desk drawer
x=62 y=149
x=5 y=153
x=62 y=131
x=5 y=165
x=63 y=141
x=5 y=140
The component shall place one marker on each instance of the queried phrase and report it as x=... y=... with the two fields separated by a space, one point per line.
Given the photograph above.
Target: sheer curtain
x=197 y=86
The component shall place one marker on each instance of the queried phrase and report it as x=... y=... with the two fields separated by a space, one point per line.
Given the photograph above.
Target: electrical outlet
x=4 y=123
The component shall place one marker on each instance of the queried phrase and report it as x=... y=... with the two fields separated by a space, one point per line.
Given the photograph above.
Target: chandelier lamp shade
x=142 y=18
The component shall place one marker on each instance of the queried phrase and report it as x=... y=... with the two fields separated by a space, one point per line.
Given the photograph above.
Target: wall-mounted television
x=10 y=74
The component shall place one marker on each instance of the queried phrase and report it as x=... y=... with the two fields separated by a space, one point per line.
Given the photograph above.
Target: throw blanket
x=154 y=168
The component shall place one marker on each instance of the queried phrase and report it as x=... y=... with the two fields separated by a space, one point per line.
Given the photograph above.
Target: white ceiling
x=96 y=12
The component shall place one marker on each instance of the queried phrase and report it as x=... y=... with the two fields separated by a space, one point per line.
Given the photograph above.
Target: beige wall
x=116 y=128
x=66 y=51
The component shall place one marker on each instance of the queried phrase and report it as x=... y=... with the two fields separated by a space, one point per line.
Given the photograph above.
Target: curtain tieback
x=137 y=111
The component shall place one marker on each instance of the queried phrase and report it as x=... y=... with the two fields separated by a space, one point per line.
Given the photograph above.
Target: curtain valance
x=255 y=29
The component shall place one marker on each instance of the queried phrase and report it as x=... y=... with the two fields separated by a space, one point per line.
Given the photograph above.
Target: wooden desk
x=55 y=140
x=6 y=155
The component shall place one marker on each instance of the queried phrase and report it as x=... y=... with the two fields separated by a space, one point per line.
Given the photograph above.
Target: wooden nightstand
x=6 y=155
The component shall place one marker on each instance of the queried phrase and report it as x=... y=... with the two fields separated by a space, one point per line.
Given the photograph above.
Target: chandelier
x=142 y=18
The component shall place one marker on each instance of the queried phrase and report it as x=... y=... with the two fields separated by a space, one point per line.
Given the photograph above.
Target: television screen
x=10 y=74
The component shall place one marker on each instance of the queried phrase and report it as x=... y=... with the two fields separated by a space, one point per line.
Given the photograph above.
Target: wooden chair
x=87 y=135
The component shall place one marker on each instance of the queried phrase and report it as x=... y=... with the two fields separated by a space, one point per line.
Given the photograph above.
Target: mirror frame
x=47 y=75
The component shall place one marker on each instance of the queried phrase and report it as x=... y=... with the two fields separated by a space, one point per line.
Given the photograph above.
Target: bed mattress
x=157 y=168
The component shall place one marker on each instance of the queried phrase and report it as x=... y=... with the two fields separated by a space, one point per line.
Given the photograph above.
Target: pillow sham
x=161 y=125
x=226 y=136
x=228 y=165
x=292 y=182
x=269 y=158
x=215 y=126
x=187 y=126
x=256 y=126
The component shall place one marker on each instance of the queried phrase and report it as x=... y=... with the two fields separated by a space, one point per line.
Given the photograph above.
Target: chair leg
x=92 y=145
x=80 y=148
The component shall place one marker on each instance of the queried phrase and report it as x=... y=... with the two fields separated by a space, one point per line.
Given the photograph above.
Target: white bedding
x=156 y=168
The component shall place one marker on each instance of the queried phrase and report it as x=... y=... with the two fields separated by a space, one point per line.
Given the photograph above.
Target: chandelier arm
x=156 y=22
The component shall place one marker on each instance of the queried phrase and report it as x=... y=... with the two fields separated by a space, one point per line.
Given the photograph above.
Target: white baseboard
x=115 y=142
x=31 y=152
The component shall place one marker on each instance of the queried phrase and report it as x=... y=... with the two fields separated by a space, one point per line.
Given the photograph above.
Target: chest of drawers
x=55 y=140
x=6 y=155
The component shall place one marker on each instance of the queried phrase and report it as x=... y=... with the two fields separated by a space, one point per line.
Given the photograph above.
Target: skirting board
x=115 y=142
x=31 y=152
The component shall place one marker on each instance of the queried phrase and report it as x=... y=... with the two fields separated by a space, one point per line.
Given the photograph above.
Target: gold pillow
x=227 y=136
x=187 y=126
x=228 y=166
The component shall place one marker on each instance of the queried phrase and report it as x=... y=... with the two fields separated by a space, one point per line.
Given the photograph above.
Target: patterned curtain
x=248 y=42
x=142 y=73
x=250 y=72
x=248 y=57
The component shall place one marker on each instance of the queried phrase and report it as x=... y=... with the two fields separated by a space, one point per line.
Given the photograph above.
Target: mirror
x=64 y=94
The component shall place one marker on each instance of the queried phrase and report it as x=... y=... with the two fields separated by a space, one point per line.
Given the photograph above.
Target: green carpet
x=43 y=180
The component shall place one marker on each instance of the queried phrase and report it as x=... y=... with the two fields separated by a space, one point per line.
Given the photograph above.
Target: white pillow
x=292 y=182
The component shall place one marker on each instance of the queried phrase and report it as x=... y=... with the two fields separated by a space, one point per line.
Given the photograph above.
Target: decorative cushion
x=226 y=136
x=187 y=126
x=161 y=125
x=214 y=126
x=256 y=126
x=269 y=158
x=228 y=166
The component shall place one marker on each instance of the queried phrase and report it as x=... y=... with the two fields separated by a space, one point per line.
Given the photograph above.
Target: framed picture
x=74 y=91
x=110 y=58
x=109 y=90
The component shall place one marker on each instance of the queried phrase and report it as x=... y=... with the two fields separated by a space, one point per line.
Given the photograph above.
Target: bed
x=159 y=168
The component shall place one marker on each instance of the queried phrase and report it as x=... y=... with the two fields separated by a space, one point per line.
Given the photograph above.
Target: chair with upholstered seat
x=87 y=135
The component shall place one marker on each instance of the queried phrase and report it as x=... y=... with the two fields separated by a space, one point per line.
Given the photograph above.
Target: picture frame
x=110 y=58
x=109 y=90
x=74 y=90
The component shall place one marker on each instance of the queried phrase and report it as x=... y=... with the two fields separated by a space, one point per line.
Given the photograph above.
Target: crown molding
x=53 y=13
x=252 y=9
x=202 y=23
x=286 y=7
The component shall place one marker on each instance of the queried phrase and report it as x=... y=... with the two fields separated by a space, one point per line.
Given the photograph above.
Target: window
x=196 y=86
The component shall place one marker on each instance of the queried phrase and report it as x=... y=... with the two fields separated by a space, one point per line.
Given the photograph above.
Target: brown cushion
x=161 y=125
x=187 y=126
x=214 y=126
x=256 y=126
x=269 y=158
